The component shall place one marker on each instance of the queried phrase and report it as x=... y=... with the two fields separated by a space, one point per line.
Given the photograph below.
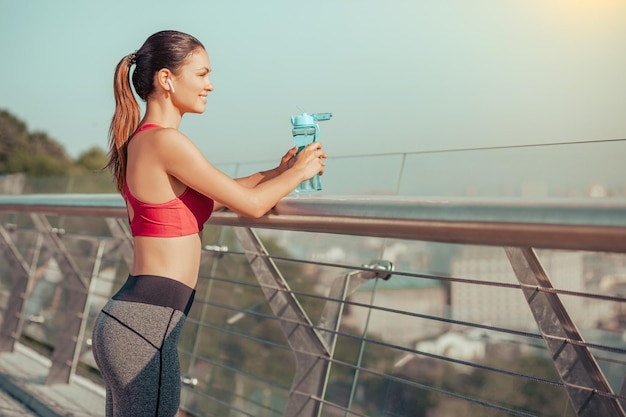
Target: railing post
x=578 y=369
x=310 y=352
x=77 y=289
x=13 y=320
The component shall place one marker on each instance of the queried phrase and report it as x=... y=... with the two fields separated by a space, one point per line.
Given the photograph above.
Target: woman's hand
x=286 y=161
x=310 y=160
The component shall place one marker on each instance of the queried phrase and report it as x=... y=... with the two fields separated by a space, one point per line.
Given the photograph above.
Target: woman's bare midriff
x=177 y=258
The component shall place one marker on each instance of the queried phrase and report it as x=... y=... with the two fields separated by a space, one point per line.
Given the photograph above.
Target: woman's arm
x=180 y=158
x=285 y=162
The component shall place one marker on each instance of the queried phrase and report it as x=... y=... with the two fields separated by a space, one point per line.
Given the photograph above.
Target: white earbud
x=171 y=85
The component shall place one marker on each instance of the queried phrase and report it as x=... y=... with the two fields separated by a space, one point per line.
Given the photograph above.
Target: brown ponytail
x=125 y=121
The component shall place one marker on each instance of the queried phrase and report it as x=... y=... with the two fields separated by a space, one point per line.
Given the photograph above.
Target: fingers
x=318 y=154
x=291 y=152
x=316 y=148
x=314 y=145
x=312 y=156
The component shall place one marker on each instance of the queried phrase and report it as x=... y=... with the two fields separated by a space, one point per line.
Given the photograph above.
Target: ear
x=161 y=77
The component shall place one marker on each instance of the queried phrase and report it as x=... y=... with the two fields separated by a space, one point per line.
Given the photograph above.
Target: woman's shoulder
x=166 y=133
x=164 y=138
x=162 y=146
x=170 y=143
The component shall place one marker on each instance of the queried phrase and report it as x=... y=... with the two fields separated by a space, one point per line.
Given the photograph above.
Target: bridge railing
x=351 y=306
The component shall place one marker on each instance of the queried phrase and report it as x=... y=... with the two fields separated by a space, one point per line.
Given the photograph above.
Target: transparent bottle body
x=303 y=136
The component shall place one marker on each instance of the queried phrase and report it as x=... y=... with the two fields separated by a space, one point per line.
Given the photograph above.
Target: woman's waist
x=176 y=258
x=189 y=245
x=156 y=290
x=191 y=241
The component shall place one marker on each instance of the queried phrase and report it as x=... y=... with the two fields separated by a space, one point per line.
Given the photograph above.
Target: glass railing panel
x=569 y=170
x=377 y=371
x=553 y=170
x=96 y=182
x=368 y=175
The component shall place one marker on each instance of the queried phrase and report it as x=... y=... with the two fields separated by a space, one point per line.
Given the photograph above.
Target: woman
x=170 y=191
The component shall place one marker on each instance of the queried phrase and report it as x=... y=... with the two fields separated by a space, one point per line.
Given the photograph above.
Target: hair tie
x=132 y=58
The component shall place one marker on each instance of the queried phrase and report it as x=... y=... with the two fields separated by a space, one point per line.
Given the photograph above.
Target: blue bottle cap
x=302 y=120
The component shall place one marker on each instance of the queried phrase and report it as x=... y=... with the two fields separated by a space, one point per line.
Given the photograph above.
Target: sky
x=398 y=75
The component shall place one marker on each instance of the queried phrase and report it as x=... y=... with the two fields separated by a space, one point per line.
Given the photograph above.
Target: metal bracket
x=341 y=289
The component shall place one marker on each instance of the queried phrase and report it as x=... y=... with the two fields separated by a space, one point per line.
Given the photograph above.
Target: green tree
x=13 y=133
x=92 y=160
x=38 y=155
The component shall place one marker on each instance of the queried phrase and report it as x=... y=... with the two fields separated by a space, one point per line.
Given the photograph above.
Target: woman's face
x=192 y=84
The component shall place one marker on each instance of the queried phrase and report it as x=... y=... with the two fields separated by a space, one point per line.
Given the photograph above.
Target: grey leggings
x=135 y=346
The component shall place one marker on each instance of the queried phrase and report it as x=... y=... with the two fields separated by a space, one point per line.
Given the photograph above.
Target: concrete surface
x=23 y=391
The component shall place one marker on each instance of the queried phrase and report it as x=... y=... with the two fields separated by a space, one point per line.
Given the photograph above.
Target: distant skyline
x=399 y=76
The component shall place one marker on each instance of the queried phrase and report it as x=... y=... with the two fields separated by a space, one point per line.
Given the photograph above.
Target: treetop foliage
x=37 y=154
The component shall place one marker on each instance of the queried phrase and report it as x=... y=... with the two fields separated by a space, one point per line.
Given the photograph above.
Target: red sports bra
x=181 y=216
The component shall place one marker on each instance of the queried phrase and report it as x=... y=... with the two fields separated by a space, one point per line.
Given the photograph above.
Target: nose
x=209 y=85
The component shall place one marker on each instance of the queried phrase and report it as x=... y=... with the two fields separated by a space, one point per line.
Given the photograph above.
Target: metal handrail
x=568 y=224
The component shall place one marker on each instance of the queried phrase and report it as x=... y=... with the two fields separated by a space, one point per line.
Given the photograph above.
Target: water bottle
x=306 y=131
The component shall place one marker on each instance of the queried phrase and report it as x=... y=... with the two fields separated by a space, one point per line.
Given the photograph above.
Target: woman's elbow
x=253 y=211
x=253 y=207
